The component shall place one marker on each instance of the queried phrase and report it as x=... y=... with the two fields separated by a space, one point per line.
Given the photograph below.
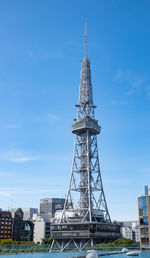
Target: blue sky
x=41 y=45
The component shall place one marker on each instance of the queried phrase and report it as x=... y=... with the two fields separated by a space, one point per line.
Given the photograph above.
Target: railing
x=86 y=124
x=23 y=248
x=116 y=247
x=145 y=246
x=37 y=248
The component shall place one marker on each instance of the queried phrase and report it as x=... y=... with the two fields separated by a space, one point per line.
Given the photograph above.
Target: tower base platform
x=69 y=236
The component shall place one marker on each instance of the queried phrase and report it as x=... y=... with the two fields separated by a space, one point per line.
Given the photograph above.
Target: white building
x=126 y=232
x=131 y=231
x=136 y=231
x=41 y=227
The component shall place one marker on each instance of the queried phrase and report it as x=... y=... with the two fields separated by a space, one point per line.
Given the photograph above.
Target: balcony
x=80 y=126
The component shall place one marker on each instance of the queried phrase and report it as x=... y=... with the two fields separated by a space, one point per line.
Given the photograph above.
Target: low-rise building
x=126 y=232
x=130 y=230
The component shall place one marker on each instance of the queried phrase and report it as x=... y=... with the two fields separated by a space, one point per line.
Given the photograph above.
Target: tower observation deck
x=85 y=219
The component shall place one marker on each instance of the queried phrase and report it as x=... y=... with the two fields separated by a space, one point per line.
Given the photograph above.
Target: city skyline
x=39 y=77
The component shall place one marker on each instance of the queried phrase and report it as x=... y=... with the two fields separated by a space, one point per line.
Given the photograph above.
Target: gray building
x=28 y=213
x=51 y=205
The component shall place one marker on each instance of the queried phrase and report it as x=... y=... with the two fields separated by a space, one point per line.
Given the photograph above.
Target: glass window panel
x=143 y=206
x=144 y=221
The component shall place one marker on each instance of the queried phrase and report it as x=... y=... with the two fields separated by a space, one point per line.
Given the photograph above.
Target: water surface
x=68 y=255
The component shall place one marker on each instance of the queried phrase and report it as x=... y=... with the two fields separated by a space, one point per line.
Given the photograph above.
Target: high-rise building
x=144 y=216
x=5 y=224
x=51 y=205
x=28 y=213
x=85 y=219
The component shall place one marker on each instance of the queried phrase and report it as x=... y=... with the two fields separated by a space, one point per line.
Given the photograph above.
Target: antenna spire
x=85 y=39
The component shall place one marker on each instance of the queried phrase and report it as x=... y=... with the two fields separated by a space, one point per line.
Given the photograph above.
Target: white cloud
x=48 y=54
x=12 y=126
x=57 y=53
x=3 y=174
x=135 y=82
x=48 y=117
x=18 y=157
x=5 y=194
x=119 y=102
x=122 y=181
x=147 y=90
x=30 y=53
x=12 y=192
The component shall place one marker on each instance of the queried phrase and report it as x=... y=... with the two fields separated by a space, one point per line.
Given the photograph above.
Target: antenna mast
x=85 y=39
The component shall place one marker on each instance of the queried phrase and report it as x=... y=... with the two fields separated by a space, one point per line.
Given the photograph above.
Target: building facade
x=28 y=213
x=51 y=205
x=5 y=224
x=126 y=232
x=42 y=227
x=17 y=219
x=22 y=230
x=130 y=230
x=144 y=216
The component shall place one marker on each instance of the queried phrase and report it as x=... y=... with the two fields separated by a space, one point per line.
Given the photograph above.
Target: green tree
x=47 y=240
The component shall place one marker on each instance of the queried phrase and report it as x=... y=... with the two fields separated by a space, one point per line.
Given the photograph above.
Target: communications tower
x=85 y=219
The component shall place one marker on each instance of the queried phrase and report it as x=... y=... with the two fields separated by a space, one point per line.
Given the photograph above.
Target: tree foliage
x=10 y=241
x=120 y=241
x=47 y=240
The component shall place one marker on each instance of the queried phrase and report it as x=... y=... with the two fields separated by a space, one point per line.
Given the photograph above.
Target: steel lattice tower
x=85 y=175
x=85 y=218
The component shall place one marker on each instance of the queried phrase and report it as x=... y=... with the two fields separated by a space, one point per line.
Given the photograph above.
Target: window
x=144 y=221
x=143 y=206
x=144 y=231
